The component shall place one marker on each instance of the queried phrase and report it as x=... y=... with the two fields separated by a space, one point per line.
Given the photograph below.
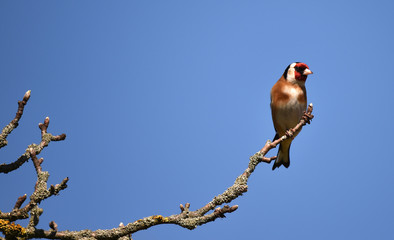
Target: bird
x=288 y=105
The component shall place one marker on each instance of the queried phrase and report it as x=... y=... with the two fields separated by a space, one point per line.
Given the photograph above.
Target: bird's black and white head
x=297 y=72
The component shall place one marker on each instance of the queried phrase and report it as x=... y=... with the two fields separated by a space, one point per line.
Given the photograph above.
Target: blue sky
x=163 y=102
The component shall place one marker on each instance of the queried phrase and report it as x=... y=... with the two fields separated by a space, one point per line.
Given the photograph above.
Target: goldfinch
x=288 y=104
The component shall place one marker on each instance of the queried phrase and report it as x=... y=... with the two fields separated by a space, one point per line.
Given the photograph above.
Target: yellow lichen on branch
x=11 y=229
x=160 y=218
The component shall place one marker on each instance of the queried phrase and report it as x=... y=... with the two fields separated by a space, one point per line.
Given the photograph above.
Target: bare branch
x=187 y=219
x=36 y=162
x=304 y=120
x=35 y=214
x=20 y=201
x=127 y=237
x=40 y=193
x=15 y=122
x=46 y=138
x=53 y=225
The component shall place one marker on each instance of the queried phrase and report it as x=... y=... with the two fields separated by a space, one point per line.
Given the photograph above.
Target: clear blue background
x=163 y=102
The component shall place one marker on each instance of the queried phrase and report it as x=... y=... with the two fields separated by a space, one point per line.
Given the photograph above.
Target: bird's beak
x=307 y=72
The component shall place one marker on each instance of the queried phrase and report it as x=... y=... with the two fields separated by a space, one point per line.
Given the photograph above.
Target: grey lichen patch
x=7 y=129
x=32 y=146
x=241 y=180
x=83 y=234
x=254 y=160
x=102 y=234
x=189 y=223
x=43 y=176
x=35 y=214
x=41 y=187
x=46 y=138
x=4 y=134
x=3 y=137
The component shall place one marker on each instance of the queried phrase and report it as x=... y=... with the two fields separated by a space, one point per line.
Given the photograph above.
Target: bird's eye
x=299 y=69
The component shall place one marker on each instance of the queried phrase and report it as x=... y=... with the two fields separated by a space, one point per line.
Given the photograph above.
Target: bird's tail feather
x=283 y=157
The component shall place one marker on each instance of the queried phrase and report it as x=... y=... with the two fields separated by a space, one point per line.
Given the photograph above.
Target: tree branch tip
x=121 y=224
x=20 y=201
x=24 y=196
x=187 y=205
x=181 y=207
x=53 y=225
x=26 y=96
x=62 y=136
x=233 y=208
x=44 y=126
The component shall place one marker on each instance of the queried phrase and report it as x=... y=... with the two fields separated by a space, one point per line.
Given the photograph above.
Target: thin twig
x=15 y=122
x=46 y=138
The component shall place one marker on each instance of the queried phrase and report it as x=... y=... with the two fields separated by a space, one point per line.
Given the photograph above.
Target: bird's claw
x=290 y=133
x=307 y=117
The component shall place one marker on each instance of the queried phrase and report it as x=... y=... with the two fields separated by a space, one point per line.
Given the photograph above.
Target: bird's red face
x=301 y=71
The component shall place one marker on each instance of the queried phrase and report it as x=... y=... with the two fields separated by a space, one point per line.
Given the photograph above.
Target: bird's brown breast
x=283 y=92
x=288 y=102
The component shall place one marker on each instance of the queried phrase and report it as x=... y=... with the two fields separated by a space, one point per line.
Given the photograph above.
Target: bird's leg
x=307 y=117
